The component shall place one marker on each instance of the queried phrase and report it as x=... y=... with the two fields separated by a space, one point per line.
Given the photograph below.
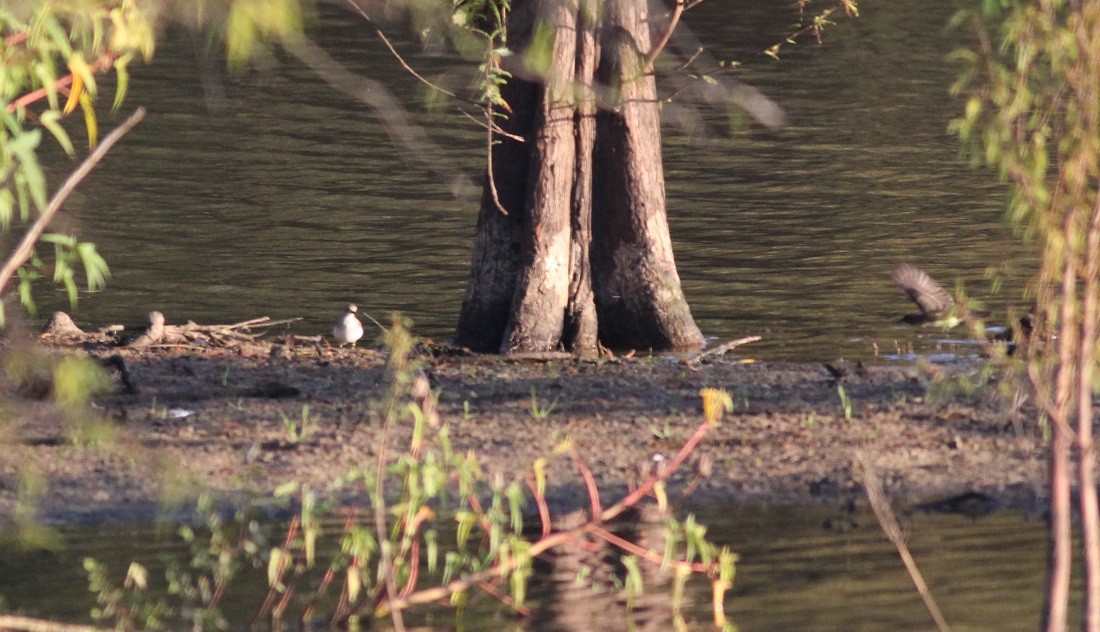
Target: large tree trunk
x=583 y=253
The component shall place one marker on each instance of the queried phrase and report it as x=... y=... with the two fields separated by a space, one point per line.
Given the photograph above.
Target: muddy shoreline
x=214 y=419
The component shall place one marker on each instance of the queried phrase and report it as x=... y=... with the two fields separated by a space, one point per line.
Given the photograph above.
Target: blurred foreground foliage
x=51 y=57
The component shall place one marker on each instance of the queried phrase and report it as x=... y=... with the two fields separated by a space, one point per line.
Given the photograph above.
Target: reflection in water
x=290 y=199
x=580 y=589
x=801 y=568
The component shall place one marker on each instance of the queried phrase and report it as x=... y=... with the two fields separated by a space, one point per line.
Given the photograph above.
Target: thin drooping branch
x=401 y=129
x=881 y=506
x=673 y=21
x=25 y=249
x=401 y=60
x=490 y=177
x=30 y=624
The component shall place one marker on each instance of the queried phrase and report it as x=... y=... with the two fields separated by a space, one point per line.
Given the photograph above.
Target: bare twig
x=25 y=249
x=881 y=506
x=490 y=177
x=641 y=552
x=544 y=510
x=376 y=323
x=401 y=60
x=30 y=624
x=673 y=21
x=722 y=349
x=589 y=482
x=496 y=129
x=401 y=129
x=253 y=322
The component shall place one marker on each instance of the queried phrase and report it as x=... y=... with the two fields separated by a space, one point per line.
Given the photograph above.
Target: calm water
x=270 y=193
x=794 y=574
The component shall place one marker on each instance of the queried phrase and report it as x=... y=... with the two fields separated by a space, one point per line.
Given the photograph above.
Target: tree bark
x=495 y=267
x=542 y=289
x=580 y=331
x=638 y=298
x=584 y=255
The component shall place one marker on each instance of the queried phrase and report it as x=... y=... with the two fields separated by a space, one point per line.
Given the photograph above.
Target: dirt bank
x=787 y=441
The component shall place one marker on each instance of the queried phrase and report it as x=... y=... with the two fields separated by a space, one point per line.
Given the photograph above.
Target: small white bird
x=349 y=329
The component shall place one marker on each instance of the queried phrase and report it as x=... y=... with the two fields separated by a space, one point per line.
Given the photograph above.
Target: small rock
x=61 y=325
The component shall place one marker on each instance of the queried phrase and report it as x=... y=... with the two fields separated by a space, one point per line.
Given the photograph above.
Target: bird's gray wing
x=923 y=290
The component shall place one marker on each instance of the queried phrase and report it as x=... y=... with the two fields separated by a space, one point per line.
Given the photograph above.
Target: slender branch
x=547 y=543
x=269 y=599
x=589 y=482
x=643 y=553
x=15 y=39
x=890 y=527
x=496 y=129
x=401 y=60
x=489 y=159
x=690 y=60
x=544 y=510
x=100 y=64
x=30 y=624
x=398 y=124
x=492 y=590
x=1086 y=359
x=673 y=21
x=723 y=348
x=26 y=246
x=1060 y=553
x=385 y=560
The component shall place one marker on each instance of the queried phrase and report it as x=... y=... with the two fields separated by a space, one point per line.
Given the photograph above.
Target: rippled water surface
x=800 y=569
x=271 y=193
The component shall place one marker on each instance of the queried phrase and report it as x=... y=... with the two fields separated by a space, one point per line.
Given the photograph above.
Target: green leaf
x=7 y=208
x=95 y=267
x=286 y=489
x=25 y=298
x=45 y=74
x=430 y=537
x=122 y=75
x=58 y=239
x=58 y=36
x=70 y=286
x=515 y=506
x=49 y=120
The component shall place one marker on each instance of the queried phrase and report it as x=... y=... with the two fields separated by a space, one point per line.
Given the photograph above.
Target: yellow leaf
x=715 y=402
x=354 y=583
x=540 y=475
x=80 y=68
x=90 y=119
x=74 y=94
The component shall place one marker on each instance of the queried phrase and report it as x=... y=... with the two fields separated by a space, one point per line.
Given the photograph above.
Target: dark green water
x=794 y=574
x=270 y=193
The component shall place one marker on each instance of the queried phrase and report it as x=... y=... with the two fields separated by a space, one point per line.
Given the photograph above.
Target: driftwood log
x=156 y=332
